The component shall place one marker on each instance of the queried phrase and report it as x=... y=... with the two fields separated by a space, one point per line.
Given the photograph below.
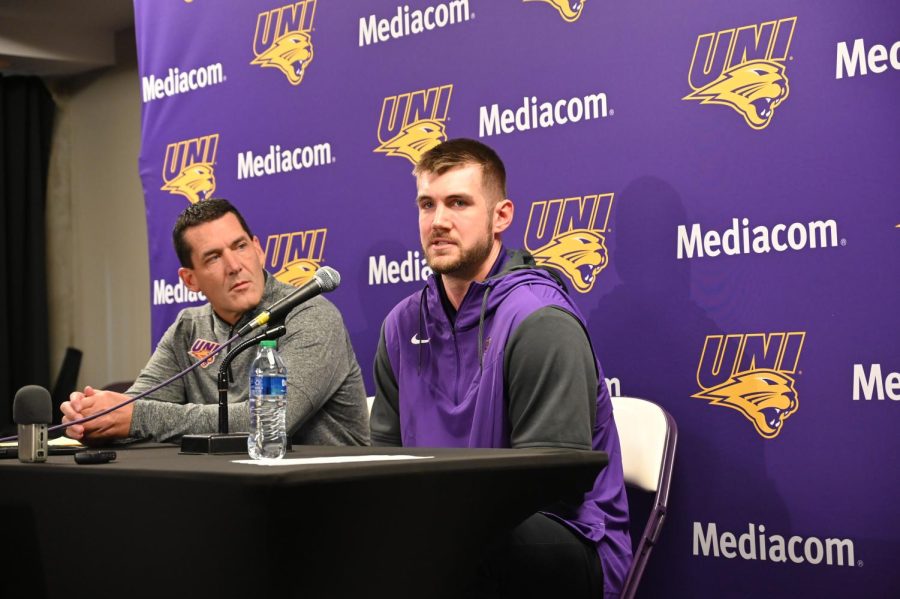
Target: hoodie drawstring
x=484 y=301
x=421 y=326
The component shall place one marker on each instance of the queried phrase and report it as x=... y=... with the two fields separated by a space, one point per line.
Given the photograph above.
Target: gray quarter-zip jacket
x=326 y=403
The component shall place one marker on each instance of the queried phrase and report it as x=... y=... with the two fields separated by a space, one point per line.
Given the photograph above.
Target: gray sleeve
x=551 y=382
x=168 y=414
x=158 y=416
x=319 y=361
x=385 y=418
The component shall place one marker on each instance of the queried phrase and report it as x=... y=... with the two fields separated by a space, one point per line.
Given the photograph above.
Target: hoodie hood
x=516 y=268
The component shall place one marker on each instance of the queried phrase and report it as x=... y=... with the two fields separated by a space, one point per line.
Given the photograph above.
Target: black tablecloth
x=158 y=523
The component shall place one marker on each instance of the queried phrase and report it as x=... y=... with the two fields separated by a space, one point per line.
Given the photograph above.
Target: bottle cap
x=267 y=343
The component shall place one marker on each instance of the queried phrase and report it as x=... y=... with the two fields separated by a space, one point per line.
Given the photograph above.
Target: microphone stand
x=223 y=441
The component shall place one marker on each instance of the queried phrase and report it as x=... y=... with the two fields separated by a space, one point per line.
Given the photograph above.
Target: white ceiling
x=60 y=37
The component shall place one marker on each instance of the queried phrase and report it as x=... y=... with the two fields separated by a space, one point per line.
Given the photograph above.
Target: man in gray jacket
x=221 y=258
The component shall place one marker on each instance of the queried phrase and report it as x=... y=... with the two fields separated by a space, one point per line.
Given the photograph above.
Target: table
x=155 y=523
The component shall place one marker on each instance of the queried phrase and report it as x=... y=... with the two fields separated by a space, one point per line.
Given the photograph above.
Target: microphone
x=33 y=411
x=326 y=279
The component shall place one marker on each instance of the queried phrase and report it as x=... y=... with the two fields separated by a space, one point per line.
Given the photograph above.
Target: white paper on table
x=332 y=460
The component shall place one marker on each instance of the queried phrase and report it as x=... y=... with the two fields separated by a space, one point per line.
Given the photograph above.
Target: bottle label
x=268 y=385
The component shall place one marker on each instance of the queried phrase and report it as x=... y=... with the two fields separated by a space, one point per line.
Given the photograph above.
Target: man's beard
x=467 y=264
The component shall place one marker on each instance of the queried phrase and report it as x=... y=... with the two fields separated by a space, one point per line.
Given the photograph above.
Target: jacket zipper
x=458 y=372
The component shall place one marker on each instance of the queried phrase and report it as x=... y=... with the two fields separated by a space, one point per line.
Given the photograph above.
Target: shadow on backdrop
x=650 y=335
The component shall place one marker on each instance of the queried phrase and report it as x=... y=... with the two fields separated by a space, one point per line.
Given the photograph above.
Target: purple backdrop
x=718 y=183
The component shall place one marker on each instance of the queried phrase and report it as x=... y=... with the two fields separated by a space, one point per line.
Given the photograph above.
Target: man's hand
x=114 y=425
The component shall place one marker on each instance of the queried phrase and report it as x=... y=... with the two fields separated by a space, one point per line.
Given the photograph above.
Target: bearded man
x=494 y=353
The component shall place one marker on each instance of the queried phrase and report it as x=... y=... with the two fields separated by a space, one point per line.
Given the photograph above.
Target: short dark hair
x=204 y=211
x=458 y=152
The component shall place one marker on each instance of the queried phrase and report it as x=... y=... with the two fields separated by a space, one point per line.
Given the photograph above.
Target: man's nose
x=232 y=264
x=441 y=218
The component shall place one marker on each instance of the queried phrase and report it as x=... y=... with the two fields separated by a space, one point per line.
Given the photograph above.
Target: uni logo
x=202 y=348
x=413 y=123
x=569 y=235
x=752 y=374
x=743 y=68
x=282 y=39
x=188 y=167
x=296 y=256
x=569 y=10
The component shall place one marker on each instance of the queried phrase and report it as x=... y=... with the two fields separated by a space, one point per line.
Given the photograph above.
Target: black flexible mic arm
x=225 y=369
x=142 y=395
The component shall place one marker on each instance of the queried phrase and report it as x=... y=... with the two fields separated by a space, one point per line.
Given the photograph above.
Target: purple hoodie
x=459 y=366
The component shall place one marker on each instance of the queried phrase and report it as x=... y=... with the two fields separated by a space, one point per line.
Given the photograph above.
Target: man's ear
x=187 y=277
x=503 y=215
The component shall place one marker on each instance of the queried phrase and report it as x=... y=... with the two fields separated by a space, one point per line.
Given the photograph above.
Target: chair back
x=66 y=381
x=648 y=437
x=118 y=386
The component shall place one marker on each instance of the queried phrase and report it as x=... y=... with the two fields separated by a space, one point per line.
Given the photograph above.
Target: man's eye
x=459 y=203
x=426 y=205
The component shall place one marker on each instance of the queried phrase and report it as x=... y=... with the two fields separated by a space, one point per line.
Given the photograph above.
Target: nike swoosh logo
x=416 y=341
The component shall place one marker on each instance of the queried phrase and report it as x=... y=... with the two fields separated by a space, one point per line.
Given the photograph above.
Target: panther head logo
x=196 y=182
x=291 y=53
x=765 y=397
x=580 y=253
x=754 y=89
x=415 y=139
x=569 y=10
x=298 y=272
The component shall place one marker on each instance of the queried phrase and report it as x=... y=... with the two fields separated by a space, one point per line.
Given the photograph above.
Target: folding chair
x=66 y=381
x=647 y=435
x=118 y=386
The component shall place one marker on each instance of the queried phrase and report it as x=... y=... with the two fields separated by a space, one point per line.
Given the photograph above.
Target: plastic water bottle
x=268 y=387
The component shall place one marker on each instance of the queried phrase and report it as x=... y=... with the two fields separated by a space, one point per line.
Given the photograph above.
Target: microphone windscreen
x=32 y=405
x=328 y=278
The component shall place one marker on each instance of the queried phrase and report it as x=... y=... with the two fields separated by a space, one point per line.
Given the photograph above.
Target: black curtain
x=26 y=122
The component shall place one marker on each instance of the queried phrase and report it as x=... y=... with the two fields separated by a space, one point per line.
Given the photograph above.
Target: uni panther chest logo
x=743 y=68
x=189 y=168
x=202 y=348
x=295 y=257
x=569 y=10
x=752 y=374
x=414 y=122
x=570 y=235
x=282 y=39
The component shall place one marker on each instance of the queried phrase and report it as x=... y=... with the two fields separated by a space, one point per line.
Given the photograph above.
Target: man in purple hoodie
x=494 y=353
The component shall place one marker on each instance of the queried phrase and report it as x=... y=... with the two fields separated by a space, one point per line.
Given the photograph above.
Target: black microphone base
x=215 y=443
